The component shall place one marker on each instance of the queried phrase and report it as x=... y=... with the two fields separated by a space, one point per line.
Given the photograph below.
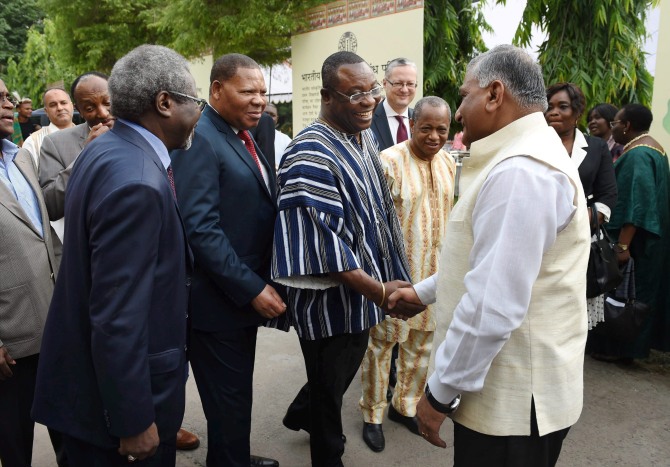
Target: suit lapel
x=383 y=128
x=579 y=149
x=8 y=200
x=83 y=134
x=133 y=137
x=238 y=146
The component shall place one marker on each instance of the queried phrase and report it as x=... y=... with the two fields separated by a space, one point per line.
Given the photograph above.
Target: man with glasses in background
x=390 y=123
x=338 y=247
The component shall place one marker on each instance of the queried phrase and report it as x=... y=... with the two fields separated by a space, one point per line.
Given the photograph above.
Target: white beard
x=189 y=141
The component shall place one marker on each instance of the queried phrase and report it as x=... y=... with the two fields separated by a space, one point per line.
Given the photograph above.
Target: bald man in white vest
x=511 y=291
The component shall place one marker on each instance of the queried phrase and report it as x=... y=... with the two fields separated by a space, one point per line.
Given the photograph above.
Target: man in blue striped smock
x=338 y=247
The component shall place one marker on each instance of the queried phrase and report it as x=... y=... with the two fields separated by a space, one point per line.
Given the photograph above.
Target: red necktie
x=246 y=137
x=402 y=130
x=171 y=180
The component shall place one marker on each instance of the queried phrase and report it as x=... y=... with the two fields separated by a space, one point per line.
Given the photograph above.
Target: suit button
x=188 y=281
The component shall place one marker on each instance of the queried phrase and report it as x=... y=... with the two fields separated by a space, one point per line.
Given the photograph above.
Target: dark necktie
x=402 y=130
x=171 y=179
x=249 y=144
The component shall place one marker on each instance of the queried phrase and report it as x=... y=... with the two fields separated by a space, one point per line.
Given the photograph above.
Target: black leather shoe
x=410 y=422
x=373 y=435
x=294 y=425
x=258 y=461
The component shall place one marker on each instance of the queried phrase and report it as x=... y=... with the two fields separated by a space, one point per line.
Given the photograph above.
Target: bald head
x=59 y=108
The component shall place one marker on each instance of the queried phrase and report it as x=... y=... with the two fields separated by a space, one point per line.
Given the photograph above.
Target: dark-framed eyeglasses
x=358 y=97
x=201 y=103
x=5 y=96
x=614 y=122
x=400 y=85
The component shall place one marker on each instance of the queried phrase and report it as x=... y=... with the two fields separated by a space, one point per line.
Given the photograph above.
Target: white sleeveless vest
x=544 y=357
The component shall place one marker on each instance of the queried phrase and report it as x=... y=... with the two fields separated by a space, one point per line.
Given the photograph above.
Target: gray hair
x=521 y=75
x=433 y=101
x=396 y=62
x=140 y=75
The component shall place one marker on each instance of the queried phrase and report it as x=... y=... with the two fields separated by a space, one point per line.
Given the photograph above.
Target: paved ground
x=626 y=418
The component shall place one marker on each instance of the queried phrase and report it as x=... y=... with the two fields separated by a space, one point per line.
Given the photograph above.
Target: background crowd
x=137 y=235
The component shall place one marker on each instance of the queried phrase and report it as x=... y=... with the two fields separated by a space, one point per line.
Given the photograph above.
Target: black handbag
x=603 y=273
x=625 y=317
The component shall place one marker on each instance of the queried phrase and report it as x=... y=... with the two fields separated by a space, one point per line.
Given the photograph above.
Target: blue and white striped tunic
x=335 y=214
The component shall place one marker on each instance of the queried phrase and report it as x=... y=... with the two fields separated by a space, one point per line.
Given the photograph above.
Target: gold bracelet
x=381 y=304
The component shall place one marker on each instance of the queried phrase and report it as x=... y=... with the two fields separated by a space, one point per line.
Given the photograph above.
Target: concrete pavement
x=625 y=422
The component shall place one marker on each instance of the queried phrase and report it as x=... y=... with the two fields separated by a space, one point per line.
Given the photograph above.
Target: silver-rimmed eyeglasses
x=201 y=103
x=614 y=122
x=400 y=85
x=358 y=97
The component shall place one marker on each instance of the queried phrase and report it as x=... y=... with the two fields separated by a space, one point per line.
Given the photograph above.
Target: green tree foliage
x=596 y=44
x=259 y=28
x=38 y=67
x=93 y=35
x=16 y=17
x=451 y=38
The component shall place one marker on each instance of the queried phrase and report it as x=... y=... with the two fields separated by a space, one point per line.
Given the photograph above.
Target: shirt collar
x=9 y=150
x=235 y=130
x=392 y=113
x=153 y=140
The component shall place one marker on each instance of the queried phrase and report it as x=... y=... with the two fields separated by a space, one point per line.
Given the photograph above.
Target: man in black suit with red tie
x=227 y=196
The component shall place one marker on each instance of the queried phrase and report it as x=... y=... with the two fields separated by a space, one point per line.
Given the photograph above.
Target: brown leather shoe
x=187 y=440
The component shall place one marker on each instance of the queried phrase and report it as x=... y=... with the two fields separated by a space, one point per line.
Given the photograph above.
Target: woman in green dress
x=640 y=223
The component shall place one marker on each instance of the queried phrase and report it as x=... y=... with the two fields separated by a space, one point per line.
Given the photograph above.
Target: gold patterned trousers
x=412 y=366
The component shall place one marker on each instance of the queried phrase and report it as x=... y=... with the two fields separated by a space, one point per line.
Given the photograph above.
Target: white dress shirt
x=393 y=122
x=511 y=210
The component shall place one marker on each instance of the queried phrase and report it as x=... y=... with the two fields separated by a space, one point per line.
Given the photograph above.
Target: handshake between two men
x=397 y=298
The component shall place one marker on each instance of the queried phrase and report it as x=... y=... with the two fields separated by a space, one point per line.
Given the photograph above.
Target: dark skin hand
x=430 y=421
x=372 y=289
x=96 y=131
x=5 y=361
x=404 y=303
x=626 y=237
x=142 y=445
x=268 y=303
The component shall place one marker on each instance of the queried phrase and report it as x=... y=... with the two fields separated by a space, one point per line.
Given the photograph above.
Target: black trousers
x=16 y=426
x=473 y=449
x=223 y=366
x=331 y=365
x=83 y=454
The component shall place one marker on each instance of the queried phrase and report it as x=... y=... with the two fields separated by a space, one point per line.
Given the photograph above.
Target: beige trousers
x=412 y=366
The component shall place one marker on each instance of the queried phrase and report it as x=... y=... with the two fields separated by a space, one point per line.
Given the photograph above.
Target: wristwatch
x=449 y=408
x=622 y=247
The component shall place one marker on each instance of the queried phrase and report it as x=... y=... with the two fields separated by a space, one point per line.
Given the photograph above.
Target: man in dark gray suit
x=27 y=272
x=111 y=378
x=390 y=122
x=59 y=152
x=61 y=149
